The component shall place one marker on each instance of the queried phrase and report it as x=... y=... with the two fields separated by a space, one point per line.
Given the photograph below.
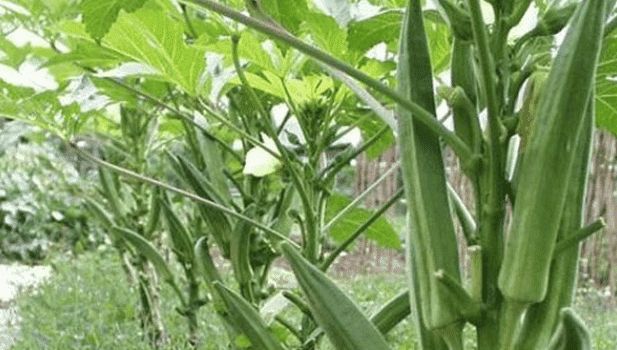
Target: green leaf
x=438 y=35
x=606 y=86
x=248 y=48
x=326 y=34
x=309 y=88
x=366 y=33
x=88 y=54
x=380 y=231
x=99 y=16
x=388 y=3
x=14 y=55
x=289 y=13
x=155 y=40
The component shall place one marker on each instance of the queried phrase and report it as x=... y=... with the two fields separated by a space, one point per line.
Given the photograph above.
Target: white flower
x=260 y=162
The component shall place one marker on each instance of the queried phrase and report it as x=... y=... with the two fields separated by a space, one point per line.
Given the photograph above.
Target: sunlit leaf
x=99 y=16
x=326 y=34
x=155 y=40
x=248 y=48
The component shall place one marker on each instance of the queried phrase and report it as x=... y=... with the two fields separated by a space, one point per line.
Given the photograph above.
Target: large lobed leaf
x=149 y=38
x=98 y=16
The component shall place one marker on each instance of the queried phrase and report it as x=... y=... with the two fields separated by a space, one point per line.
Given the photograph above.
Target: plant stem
x=334 y=168
x=516 y=17
x=242 y=133
x=492 y=208
x=362 y=195
x=487 y=67
x=183 y=116
x=425 y=117
x=575 y=237
x=361 y=229
x=189 y=25
x=182 y=192
x=311 y=249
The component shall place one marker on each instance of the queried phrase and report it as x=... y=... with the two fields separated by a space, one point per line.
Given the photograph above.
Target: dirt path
x=14 y=279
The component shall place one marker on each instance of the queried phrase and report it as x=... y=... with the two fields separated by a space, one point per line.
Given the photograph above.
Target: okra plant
x=128 y=207
x=509 y=301
x=523 y=120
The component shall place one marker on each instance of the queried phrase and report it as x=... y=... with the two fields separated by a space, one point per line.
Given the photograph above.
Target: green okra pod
x=240 y=244
x=341 y=319
x=431 y=240
x=548 y=163
x=179 y=234
x=460 y=20
x=547 y=168
x=542 y=319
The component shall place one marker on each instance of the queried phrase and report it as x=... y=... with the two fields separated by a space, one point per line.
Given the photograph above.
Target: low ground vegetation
x=88 y=305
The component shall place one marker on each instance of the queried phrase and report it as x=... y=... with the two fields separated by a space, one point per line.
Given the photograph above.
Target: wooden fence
x=598 y=253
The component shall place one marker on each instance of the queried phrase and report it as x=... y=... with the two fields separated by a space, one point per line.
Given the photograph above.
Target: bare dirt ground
x=14 y=279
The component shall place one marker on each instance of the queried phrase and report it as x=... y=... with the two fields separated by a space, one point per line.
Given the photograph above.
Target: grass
x=88 y=305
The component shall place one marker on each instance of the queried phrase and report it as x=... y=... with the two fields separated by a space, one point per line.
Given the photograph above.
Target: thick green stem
x=511 y=316
x=492 y=207
x=487 y=66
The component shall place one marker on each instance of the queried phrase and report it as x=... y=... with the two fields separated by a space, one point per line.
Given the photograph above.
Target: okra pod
x=346 y=326
x=431 y=240
x=548 y=163
x=542 y=319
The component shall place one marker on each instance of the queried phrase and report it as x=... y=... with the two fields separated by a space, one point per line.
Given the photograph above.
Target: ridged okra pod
x=541 y=320
x=548 y=164
x=431 y=240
